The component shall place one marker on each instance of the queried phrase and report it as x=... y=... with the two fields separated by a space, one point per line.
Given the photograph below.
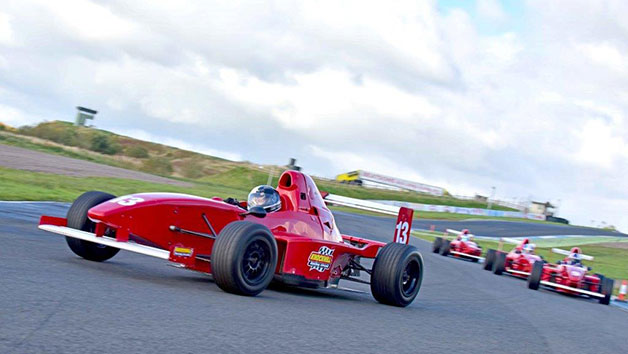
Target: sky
x=529 y=97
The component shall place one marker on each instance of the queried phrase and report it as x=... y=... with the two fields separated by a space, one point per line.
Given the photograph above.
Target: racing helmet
x=465 y=231
x=529 y=248
x=266 y=197
x=575 y=255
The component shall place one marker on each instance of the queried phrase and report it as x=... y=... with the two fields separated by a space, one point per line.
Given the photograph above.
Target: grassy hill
x=209 y=172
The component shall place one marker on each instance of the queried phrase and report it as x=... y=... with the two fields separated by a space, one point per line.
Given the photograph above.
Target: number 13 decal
x=404 y=226
x=401 y=236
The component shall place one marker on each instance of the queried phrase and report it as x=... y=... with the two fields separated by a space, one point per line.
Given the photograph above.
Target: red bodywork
x=302 y=228
x=465 y=246
x=575 y=276
x=517 y=263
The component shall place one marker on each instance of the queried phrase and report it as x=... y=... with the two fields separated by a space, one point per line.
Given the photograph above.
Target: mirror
x=256 y=211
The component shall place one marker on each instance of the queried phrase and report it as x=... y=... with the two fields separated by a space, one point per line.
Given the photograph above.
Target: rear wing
x=403 y=226
x=456 y=232
x=404 y=215
x=572 y=255
x=512 y=241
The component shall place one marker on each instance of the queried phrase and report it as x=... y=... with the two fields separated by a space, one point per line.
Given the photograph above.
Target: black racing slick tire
x=397 y=275
x=534 y=279
x=436 y=244
x=489 y=259
x=499 y=263
x=606 y=290
x=244 y=258
x=77 y=219
x=445 y=248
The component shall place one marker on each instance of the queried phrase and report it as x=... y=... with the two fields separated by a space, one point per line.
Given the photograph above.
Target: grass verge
x=63 y=138
x=25 y=185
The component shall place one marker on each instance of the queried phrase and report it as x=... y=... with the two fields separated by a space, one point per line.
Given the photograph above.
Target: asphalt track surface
x=52 y=301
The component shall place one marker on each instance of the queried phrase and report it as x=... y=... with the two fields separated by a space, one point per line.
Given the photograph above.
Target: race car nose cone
x=114 y=207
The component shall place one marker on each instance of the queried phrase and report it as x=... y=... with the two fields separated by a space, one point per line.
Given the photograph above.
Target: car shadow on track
x=160 y=274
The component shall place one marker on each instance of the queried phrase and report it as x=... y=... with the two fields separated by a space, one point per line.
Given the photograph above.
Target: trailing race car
x=570 y=276
x=518 y=262
x=463 y=246
x=287 y=234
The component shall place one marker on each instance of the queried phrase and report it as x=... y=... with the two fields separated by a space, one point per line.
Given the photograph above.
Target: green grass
x=608 y=260
x=25 y=185
x=126 y=152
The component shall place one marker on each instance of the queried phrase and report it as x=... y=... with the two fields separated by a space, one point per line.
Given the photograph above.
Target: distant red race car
x=295 y=240
x=570 y=276
x=518 y=262
x=462 y=246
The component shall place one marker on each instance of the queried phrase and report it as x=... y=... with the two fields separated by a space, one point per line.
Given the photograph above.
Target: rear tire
x=77 y=219
x=436 y=244
x=499 y=263
x=244 y=258
x=445 y=248
x=397 y=275
x=489 y=259
x=606 y=290
x=534 y=279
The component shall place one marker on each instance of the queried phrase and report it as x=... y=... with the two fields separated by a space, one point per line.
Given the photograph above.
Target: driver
x=266 y=197
x=574 y=258
x=529 y=248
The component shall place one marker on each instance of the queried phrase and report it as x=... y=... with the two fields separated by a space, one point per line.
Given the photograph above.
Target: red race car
x=463 y=246
x=517 y=262
x=570 y=276
x=285 y=233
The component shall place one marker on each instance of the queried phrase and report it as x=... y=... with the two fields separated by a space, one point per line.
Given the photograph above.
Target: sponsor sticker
x=183 y=251
x=321 y=260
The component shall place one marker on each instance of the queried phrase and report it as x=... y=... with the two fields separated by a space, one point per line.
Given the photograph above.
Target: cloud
x=536 y=110
x=6 y=31
x=491 y=10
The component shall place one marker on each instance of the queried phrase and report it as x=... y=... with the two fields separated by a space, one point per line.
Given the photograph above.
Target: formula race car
x=462 y=246
x=518 y=262
x=285 y=233
x=570 y=276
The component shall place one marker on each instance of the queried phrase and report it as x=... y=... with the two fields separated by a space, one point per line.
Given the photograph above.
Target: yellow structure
x=352 y=177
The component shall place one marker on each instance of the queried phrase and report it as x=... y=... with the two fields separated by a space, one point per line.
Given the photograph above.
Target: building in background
x=546 y=208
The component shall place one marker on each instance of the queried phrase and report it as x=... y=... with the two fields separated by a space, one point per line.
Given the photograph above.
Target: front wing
x=466 y=255
x=103 y=240
x=569 y=288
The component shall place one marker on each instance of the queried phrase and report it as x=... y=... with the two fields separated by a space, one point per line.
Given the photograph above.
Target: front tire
x=244 y=258
x=77 y=219
x=499 y=263
x=489 y=259
x=606 y=290
x=534 y=279
x=445 y=247
x=397 y=275
x=436 y=244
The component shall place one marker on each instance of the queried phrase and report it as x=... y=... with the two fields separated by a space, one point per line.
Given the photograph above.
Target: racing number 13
x=401 y=236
